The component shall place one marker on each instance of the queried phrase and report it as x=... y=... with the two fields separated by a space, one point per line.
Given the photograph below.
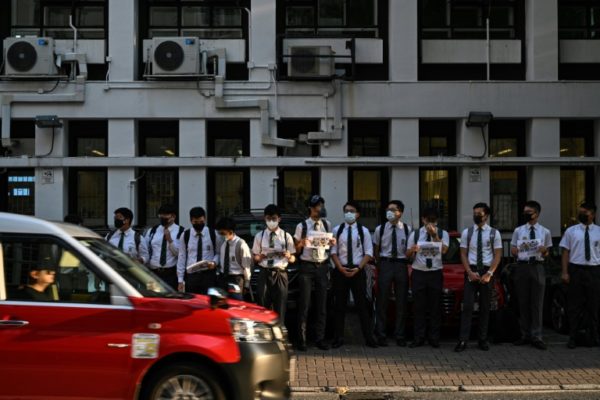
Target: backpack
x=361 y=234
x=137 y=238
x=305 y=227
x=186 y=240
x=151 y=236
x=382 y=230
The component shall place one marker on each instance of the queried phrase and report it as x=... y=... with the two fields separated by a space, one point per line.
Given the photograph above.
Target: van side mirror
x=218 y=298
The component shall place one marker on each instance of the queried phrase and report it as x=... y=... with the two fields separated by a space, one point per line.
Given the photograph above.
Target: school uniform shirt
x=385 y=242
x=156 y=245
x=523 y=232
x=283 y=242
x=487 y=249
x=312 y=226
x=209 y=253
x=420 y=261
x=359 y=249
x=236 y=267
x=574 y=241
x=129 y=245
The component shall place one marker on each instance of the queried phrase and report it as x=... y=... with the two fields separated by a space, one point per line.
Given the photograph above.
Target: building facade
x=391 y=124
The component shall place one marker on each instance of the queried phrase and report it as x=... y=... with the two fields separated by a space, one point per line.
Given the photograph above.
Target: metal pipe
x=74 y=33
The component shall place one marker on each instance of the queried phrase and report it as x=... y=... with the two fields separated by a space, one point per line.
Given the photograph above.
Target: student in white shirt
x=273 y=250
x=235 y=260
x=125 y=238
x=581 y=272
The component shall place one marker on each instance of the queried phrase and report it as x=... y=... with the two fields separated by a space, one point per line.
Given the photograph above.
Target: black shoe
x=417 y=343
x=337 y=343
x=371 y=343
x=401 y=342
x=322 y=345
x=301 y=347
x=484 y=345
x=382 y=342
x=539 y=344
x=460 y=347
x=522 y=342
x=571 y=344
x=434 y=343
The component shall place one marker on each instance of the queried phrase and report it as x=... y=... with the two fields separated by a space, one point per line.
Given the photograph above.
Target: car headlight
x=245 y=330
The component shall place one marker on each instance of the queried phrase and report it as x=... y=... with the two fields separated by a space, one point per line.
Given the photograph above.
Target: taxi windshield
x=144 y=281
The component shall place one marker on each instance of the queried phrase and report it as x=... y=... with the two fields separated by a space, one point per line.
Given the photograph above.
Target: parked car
x=106 y=327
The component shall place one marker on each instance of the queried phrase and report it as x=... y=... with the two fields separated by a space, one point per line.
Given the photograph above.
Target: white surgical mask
x=350 y=217
x=272 y=225
x=390 y=215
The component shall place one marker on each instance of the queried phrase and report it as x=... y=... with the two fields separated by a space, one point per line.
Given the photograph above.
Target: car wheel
x=183 y=381
x=559 y=312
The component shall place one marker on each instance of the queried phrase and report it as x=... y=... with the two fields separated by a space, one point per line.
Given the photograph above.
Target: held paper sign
x=431 y=250
x=528 y=248
x=319 y=240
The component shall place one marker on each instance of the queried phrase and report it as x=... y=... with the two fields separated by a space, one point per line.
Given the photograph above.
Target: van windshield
x=140 y=277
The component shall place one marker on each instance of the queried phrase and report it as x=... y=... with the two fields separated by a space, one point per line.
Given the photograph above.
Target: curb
x=341 y=390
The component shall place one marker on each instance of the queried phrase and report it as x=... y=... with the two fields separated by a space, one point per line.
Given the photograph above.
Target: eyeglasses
x=392 y=209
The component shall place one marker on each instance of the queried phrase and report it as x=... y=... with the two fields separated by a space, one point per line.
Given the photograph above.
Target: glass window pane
x=162 y=33
x=595 y=17
x=56 y=16
x=466 y=17
x=572 y=16
x=229 y=148
x=366 y=191
x=331 y=12
x=434 y=13
x=361 y=13
x=90 y=16
x=91 y=147
x=161 y=147
x=504 y=192
x=227 y=16
x=229 y=192
x=502 y=16
x=433 y=146
x=503 y=147
x=297 y=187
x=434 y=193
x=572 y=147
x=163 y=16
x=21 y=191
x=160 y=189
x=300 y=16
x=366 y=146
x=91 y=197
x=195 y=16
x=25 y=12
x=572 y=194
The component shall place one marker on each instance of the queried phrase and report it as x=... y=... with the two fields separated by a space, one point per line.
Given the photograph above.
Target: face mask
x=478 y=219
x=272 y=225
x=119 y=223
x=583 y=218
x=164 y=221
x=350 y=217
x=323 y=213
x=390 y=215
x=198 y=227
x=527 y=217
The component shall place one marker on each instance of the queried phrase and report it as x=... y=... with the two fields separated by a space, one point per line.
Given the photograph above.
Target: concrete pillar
x=263 y=188
x=51 y=183
x=597 y=154
x=334 y=189
x=541 y=17
x=404 y=137
x=257 y=149
x=192 y=138
x=403 y=43
x=543 y=183
x=262 y=25
x=122 y=138
x=122 y=188
x=335 y=148
x=404 y=186
x=122 y=39
x=192 y=191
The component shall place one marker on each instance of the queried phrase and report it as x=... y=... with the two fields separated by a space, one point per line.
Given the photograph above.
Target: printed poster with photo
x=432 y=250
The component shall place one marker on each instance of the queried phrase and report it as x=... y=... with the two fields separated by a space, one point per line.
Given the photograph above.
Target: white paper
x=199 y=266
x=528 y=248
x=273 y=253
x=432 y=250
x=319 y=240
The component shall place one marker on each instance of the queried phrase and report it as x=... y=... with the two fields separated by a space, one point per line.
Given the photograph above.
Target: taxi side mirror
x=218 y=298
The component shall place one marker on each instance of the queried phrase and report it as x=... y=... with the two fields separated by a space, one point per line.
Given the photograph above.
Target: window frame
x=521 y=194
x=73 y=199
x=142 y=218
x=589 y=187
x=584 y=129
x=385 y=191
x=315 y=184
x=438 y=129
x=233 y=129
x=156 y=129
x=509 y=129
x=212 y=201
x=452 y=217
x=4 y=184
x=83 y=131
x=369 y=128
x=588 y=29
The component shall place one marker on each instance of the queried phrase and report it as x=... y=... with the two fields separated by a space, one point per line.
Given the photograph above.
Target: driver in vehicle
x=41 y=277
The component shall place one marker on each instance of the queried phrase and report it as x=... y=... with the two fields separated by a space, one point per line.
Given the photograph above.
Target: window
x=292 y=129
x=230 y=190
x=507 y=193
x=507 y=138
x=22 y=132
x=437 y=138
x=88 y=195
x=437 y=190
x=465 y=19
x=51 y=18
x=228 y=138
x=156 y=187
x=579 y=19
x=158 y=138
x=71 y=281
x=88 y=138
x=356 y=18
x=368 y=138
x=576 y=186
x=295 y=186
x=208 y=19
x=577 y=138
x=18 y=189
x=369 y=188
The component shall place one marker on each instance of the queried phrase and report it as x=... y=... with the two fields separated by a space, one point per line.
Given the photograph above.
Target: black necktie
x=350 y=250
x=163 y=251
x=226 y=260
x=479 y=249
x=394 y=242
x=271 y=261
x=532 y=237
x=429 y=261
x=588 y=250
x=121 y=240
x=199 y=249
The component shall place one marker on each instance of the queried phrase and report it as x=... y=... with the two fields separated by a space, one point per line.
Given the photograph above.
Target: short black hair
x=398 y=204
x=430 y=213
x=588 y=205
x=314 y=200
x=197 y=212
x=353 y=204
x=225 y=224
x=73 y=219
x=535 y=205
x=272 y=209
x=486 y=209
x=125 y=212
x=167 y=209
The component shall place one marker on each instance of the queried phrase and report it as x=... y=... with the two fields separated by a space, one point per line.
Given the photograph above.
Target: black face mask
x=119 y=223
x=198 y=227
x=478 y=219
x=164 y=221
x=583 y=218
x=527 y=217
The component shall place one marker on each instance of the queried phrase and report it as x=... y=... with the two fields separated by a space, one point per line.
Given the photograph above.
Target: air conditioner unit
x=175 y=56
x=29 y=56
x=307 y=62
